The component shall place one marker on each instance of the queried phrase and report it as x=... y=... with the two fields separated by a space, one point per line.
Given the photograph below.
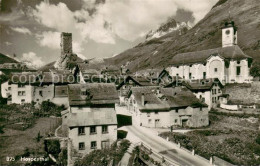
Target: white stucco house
x=91 y=119
x=228 y=63
x=165 y=107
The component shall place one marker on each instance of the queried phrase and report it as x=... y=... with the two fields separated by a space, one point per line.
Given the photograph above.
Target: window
x=93 y=144
x=177 y=66
x=9 y=88
x=238 y=70
x=81 y=146
x=21 y=93
x=216 y=70
x=63 y=91
x=104 y=129
x=23 y=100
x=149 y=121
x=203 y=99
x=190 y=65
x=176 y=111
x=176 y=120
x=156 y=112
x=93 y=130
x=40 y=93
x=104 y=144
x=21 y=85
x=213 y=101
x=219 y=90
x=190 y=75
x=148 y=114
x=204 y=75
x=81 y=130
x=238 y=62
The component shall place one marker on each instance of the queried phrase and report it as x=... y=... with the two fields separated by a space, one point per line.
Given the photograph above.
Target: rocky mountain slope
x=168 y=27
x=6 y=59
x=206 y=34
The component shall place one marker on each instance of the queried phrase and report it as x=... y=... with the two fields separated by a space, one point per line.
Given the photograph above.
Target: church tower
x=229 y=34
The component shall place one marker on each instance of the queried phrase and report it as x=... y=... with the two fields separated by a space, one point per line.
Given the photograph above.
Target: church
x=228 y=63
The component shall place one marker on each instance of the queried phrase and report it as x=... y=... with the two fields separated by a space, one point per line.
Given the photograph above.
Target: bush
x=52 y=147
x=257 y=140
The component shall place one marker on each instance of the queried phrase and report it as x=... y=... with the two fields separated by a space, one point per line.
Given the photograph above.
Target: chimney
x=142 y=99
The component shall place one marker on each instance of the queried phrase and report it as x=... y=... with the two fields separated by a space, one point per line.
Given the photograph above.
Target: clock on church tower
x=229 y=34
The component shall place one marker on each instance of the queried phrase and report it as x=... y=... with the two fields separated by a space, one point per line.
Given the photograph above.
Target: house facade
x=166 y=107
x=91 y=120
x=228 y=63
x=206 y=90
x=36 y=87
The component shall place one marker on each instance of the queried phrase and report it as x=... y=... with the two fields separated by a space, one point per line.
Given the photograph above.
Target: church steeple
x=229 y=34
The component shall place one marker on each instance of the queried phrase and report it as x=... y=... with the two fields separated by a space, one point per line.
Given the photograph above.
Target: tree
x=255 y=70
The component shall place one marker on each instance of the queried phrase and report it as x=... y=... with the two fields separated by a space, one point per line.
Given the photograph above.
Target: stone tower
x=229 y=34
x=67 y=57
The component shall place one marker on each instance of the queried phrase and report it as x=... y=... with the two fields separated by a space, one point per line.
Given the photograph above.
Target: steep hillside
x=205 y=35
x=6 y=59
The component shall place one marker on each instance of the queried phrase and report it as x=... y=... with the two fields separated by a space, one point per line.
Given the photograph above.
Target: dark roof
x=96 y=93
x=180 y=97
x=93 y=118
x=201 y=84
x=233 y=52
x=61 y=91
x=126 y=80
x=167 y=99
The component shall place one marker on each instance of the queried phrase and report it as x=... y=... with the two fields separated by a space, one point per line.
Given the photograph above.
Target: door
x=184 y=122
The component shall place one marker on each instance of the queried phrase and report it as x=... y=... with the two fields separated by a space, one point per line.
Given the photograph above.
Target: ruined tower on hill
x=67 y=58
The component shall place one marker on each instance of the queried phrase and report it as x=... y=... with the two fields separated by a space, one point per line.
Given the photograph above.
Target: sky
x=31 y=29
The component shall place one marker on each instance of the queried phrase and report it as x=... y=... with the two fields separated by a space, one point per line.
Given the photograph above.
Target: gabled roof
x=96 y=93
x=233 y=52
x=167 y=99
x=126 y=80
x=93 y=118
x=179 y=97
x=202 y=84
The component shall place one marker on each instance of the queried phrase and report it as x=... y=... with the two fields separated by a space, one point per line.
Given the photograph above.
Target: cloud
x=22 y=30
x=199 y=8
x=105 y=22
x=32 y=60
x=49 y=39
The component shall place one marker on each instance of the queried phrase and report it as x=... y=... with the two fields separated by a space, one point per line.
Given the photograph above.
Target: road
x=140 y=134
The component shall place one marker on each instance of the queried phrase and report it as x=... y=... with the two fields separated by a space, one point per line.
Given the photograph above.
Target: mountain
x=168 y=27
x=206 y=34
x=6 y=59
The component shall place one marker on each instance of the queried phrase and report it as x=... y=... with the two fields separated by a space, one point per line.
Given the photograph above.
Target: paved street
x=160 y=145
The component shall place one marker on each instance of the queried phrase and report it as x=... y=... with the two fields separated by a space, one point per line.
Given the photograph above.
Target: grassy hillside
x=6 y=59
x=205 y=35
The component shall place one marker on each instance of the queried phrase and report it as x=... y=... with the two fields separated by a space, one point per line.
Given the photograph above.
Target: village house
x=91 y=119
x=36 y=87
x=165 y=107
x=228 y=63
x=207 y=90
